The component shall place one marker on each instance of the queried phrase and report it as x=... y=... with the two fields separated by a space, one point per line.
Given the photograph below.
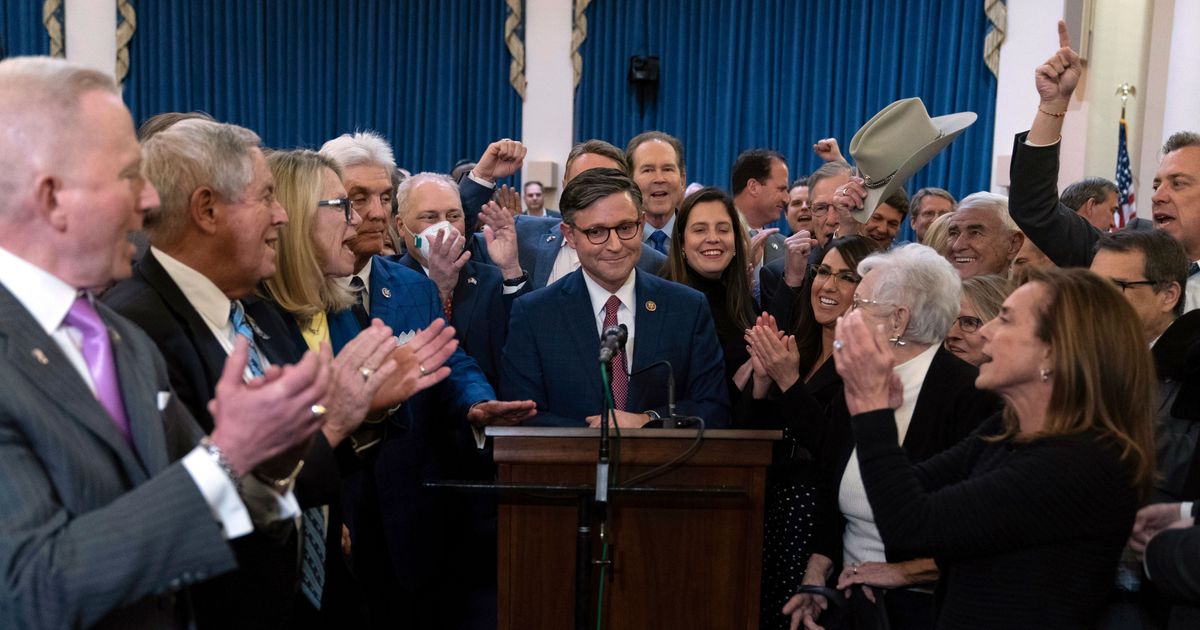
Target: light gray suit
x=92 y=532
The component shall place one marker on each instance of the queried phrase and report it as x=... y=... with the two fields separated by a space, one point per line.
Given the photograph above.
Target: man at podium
x=552 y=352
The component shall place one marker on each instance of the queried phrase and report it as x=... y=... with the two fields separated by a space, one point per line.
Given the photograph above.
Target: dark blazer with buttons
x=263 y=590
x=947 y=410
x=402 y=531
x=94 y=533
x=550 y=355
x=481 y=310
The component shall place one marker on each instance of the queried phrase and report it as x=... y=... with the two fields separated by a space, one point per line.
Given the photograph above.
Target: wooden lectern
x=685 y=546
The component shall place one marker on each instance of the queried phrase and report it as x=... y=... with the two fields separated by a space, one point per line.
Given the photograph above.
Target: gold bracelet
x=1058 y=115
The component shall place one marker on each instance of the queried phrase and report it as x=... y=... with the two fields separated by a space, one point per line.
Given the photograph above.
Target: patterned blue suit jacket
x=552 y=340
x=406 y=300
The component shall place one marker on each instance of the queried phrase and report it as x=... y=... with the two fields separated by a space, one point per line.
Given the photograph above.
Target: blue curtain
x=21 y=29
x=430 y=76
x=782 y=74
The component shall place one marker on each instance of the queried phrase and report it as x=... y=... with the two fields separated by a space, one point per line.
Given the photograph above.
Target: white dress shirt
x=625 y=313
x=365 y=275
x=668 y=229
x=861 y=541
x=565 y=262
x=1193 y=294
x=48 y=298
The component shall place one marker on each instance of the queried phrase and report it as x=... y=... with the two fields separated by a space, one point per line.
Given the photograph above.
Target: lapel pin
x=40 y=356
x=472 y=281
x=114 y=335
x=651 y=306
x=549 y=237
x=387 y=293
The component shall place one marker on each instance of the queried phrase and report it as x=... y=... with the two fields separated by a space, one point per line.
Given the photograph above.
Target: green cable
x=600 y=599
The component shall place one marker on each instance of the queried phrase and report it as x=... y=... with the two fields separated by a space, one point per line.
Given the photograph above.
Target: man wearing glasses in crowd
x=554 y=332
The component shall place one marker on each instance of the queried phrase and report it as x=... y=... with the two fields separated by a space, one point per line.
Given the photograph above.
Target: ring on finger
x=317 y=410
x=366 y=372
x=424 y=372
x=838 y=345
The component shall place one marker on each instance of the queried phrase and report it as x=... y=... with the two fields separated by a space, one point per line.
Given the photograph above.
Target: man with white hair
x=983 y=238
x=401 y=530
x=111 y=508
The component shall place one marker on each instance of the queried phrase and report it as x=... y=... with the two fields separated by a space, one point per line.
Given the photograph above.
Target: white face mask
x=422 y=241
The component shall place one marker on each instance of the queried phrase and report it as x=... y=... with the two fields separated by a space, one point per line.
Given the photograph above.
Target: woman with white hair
x=912 y=295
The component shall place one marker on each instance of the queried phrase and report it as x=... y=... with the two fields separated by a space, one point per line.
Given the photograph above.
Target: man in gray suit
x=109 y=506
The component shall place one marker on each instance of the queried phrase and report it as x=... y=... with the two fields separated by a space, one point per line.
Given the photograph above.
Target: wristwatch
x=518 y=281
x=284 y=484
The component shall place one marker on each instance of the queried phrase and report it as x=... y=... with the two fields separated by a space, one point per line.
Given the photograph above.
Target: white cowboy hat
x=896 y=143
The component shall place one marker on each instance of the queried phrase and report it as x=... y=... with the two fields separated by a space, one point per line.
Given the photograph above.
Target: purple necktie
x=97 y=352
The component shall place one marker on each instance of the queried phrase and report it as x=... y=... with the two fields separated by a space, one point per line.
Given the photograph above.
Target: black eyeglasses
x=599 y=234
x=824 y=272
x=969 y=324
x=1125 y=284
x=342 y=203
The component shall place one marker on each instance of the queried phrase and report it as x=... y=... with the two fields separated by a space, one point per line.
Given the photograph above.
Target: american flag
x=1128 y=210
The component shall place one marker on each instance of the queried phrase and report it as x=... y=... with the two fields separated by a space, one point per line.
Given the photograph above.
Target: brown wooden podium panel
x=681 y=559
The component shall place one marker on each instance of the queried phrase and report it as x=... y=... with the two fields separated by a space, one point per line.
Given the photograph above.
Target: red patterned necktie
x=620 y=378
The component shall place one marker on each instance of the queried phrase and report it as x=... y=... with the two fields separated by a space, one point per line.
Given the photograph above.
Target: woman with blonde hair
x=313 y=251
x=981 y=302
x=1028 y=516
x=937 y=235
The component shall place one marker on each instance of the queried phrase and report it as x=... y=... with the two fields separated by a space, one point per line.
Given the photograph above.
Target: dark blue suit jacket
x=401 y=530
x=480 y=312
x=552 y=342
x=406 y=300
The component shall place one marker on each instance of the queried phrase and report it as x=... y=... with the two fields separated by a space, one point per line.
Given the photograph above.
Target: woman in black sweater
x=709 y=254
x=1027 y=517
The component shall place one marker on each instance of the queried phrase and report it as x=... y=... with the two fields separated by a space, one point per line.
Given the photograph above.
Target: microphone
x=612 y=341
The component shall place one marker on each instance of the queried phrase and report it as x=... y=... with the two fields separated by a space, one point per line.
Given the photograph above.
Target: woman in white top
x=913 y=294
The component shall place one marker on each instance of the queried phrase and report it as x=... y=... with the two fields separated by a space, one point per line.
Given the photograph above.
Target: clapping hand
x=864 y=359
x=358 y=372
x=419 y=365
x=259 y=421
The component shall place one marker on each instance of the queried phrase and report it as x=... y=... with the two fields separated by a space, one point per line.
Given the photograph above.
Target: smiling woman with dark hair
x=708 y=253
x=912 y=294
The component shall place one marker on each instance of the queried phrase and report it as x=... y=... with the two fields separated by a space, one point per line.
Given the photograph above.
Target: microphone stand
x=583 y=540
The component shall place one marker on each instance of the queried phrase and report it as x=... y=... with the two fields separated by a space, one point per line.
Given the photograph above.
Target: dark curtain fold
x=21 y=29
x=782 y=74
x=431 y=76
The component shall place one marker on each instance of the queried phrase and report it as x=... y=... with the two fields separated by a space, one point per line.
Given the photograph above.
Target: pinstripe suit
x=92 y=532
